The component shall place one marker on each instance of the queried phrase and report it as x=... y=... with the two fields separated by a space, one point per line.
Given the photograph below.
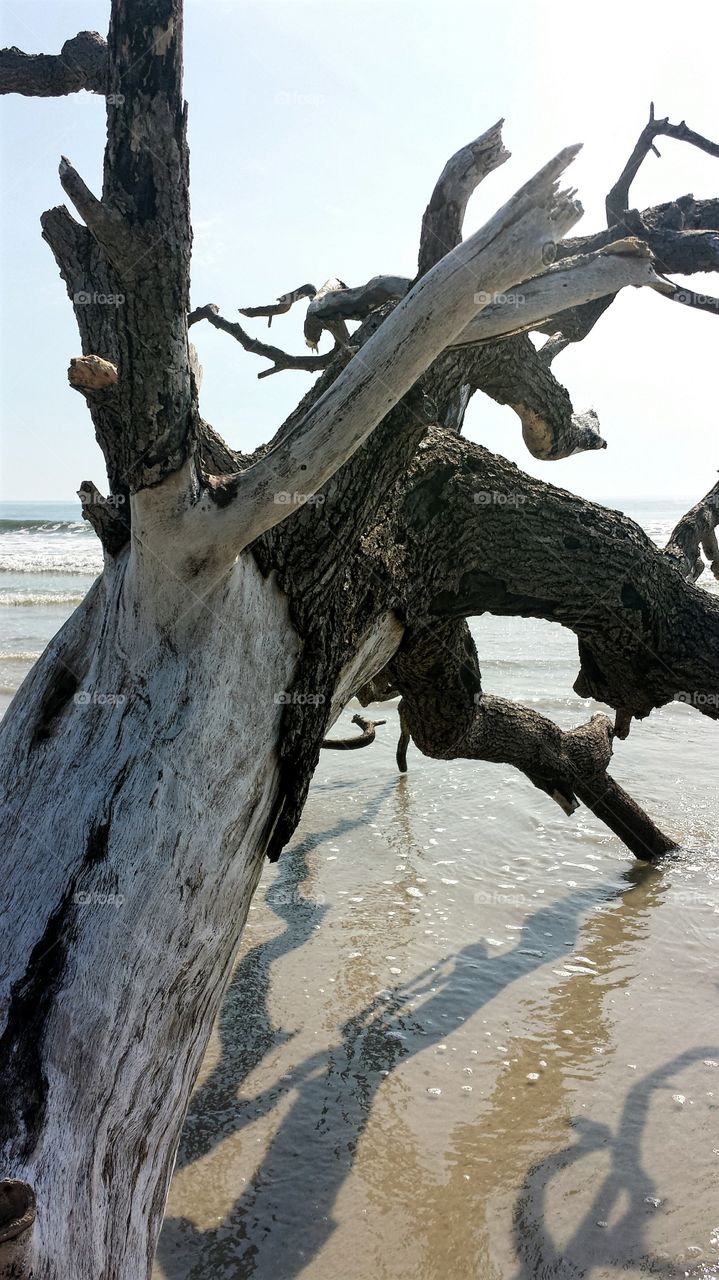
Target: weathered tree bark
x=696 y=532
x=164 y=742
x=81 y=64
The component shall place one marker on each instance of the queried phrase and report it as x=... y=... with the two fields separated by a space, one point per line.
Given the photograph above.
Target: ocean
x=49 y=557
x=466 y=1037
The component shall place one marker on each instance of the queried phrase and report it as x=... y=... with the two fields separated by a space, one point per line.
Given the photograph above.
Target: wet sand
x=467 y=1037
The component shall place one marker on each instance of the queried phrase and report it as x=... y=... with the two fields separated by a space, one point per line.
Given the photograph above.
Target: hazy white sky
x=317 y=130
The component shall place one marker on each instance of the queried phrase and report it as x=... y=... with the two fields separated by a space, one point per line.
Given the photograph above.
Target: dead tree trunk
x=164 y=742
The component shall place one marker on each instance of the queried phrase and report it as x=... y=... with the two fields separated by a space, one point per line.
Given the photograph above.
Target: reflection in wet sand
x=318 y=1137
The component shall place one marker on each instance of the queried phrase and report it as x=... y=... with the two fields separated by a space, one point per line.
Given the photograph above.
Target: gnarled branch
x=281 y=306
x=509 y=247
x=515 y=373
x=569 y=283
x=617 y=202
x=332 y=305
x=696 y=532
x=316 y=323
x=280 y=359
x=81 y=64
x=487 y=538
x=363 y=739
x=444 y=711
x=109 y=517
x=462 y=174
x=682 y=237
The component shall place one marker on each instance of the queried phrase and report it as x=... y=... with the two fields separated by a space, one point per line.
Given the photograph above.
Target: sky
x=317 y=130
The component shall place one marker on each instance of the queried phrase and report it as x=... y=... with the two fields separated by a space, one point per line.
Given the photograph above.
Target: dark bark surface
x=81 y=64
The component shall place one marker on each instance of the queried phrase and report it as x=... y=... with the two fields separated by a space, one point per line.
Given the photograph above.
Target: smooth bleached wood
x=569 y=284
x=514 y=244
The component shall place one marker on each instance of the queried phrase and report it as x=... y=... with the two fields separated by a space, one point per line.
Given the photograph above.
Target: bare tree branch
x=280 y=359
x=695 y=533
x=553 y=347
x=331 y=305
x=108 y=516
x=444 y=711
x=363 y=739
x=108 y=227
x=683 y=237
x=315 y=324
x=487 y=538
x=688 y=298
x=617 y=202
x=513 y=372
x=81 y=64
x=574 y=281
x=281 y=306
x=462 y=174
x=569 y=283
x=509 y=247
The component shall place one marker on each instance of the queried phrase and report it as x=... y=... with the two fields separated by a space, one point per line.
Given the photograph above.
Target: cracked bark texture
x=81 y=64
x=164 y=743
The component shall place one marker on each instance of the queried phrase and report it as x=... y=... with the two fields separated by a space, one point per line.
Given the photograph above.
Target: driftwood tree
x=163 y=744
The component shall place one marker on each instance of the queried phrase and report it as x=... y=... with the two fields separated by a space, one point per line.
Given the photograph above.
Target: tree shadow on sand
x=245 y=1027
x=274 y=1229
x=597 y=1243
